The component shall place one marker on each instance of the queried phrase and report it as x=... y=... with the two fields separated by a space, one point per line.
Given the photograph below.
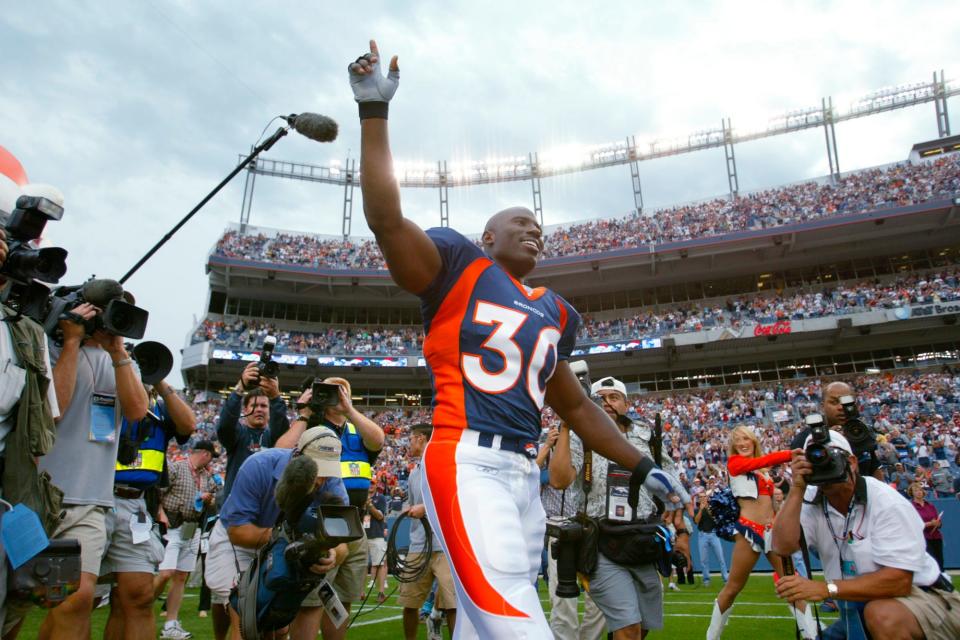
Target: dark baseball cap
x=422 y=427
x=206 y=445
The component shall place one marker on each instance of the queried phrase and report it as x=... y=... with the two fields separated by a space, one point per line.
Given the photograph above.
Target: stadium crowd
x=917 y=415
x=898 y=185
x=809 y=302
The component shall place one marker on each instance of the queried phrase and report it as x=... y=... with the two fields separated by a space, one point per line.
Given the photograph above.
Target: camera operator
x=564 y=619
x=630 y=597
x=362 y=439
x=28 y=408
x=265 y=421
x=870 y=543
x=833 y=396
x=414 y=594
x=134 y=549
x=251 y=511
x=97 y=384
x=189 y=494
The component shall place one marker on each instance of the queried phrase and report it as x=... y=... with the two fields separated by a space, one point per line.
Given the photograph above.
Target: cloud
x=135 y=110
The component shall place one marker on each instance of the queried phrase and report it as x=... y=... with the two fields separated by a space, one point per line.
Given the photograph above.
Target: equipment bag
x=587 y=549
x=633 y=544
x=270 y=591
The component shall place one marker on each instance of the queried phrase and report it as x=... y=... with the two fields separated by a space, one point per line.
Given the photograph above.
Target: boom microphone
x=314 y=126
x=295 y=488
x=101 y=291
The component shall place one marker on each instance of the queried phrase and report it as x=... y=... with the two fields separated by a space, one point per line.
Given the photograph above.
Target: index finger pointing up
x=373 y=48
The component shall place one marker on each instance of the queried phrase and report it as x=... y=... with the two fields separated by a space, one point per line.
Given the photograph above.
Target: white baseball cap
x=837 y=440
x=608 y=383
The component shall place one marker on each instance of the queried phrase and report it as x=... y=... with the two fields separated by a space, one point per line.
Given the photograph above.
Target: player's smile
x=534 y=244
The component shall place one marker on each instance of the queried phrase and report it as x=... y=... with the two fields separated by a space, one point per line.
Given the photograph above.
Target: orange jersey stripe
x=440 y=469
x=441 y=348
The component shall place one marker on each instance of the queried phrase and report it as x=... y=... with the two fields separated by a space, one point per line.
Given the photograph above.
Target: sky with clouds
x=136 y=109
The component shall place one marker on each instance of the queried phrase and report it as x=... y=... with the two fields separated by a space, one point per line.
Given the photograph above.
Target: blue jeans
x=850 y=625
x=710 y=542
x=799 y=565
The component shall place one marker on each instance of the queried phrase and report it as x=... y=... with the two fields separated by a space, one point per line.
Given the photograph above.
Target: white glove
x=368 y=84
x=658 y=483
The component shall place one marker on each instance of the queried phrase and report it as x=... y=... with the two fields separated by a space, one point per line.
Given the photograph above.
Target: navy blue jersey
x=491 y=342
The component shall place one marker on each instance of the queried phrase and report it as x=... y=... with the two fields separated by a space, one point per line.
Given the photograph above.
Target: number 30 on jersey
x=507 y=323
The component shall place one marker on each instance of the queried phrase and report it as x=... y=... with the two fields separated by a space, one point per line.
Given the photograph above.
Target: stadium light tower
x=534 y=166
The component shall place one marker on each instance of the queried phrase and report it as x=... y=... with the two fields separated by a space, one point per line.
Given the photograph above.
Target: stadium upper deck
x=908 y=209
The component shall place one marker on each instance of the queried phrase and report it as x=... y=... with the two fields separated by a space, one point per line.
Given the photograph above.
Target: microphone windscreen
x=101 y=292
x=316 y=127
x=295 y=487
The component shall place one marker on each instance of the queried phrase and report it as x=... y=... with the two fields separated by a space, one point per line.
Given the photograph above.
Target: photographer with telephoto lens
x=625 y=585
x=28 y=408
x=841 y=414
x=870 y=542
x=97 y=386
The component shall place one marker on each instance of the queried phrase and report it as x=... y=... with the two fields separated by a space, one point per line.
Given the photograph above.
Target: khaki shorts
x=377 y=551
x=180 y=555
x=348 y=579
x=121 y=554
x=221 y=567
x=938 y=612
x=414 y=594
x=88 y=524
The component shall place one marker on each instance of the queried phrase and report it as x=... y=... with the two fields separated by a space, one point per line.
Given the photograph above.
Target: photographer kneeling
x=251 y=512
x=870 y=542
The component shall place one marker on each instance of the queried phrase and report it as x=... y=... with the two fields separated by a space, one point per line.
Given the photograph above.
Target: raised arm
x=412 y=258
x=738 y=465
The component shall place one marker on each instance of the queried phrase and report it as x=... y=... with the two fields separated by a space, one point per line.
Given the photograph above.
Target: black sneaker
x=681 y=577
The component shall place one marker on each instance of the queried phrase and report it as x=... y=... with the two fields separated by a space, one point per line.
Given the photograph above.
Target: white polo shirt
x=885 y=532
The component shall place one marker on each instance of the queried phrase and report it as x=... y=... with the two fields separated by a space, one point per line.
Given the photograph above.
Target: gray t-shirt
x=82 y=464
x=418 y=535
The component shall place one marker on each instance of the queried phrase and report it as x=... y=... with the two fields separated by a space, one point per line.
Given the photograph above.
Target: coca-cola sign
x=779 y=328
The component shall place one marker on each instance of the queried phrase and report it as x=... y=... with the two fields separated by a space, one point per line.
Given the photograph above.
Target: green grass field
x=758 y=615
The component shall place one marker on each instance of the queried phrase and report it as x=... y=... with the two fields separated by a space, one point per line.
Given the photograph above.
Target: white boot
x=718 y=621
x=808 y=626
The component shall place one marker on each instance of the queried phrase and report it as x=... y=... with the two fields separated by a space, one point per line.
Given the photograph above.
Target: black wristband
x=373 y=110
x=644 y=467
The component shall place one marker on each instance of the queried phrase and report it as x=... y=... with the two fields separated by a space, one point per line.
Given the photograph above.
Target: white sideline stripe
x=706 y=603
x=377 y=621
x=668 y=615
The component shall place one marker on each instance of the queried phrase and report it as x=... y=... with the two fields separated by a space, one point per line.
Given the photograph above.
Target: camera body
x=323 y=395
x=320 y=529
x=25 y=224
x=118 y=317
x=266 y=367
x=567 y=535
x=829 y=463
x=26 y=267
x=50 y=576
x=862 y=438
